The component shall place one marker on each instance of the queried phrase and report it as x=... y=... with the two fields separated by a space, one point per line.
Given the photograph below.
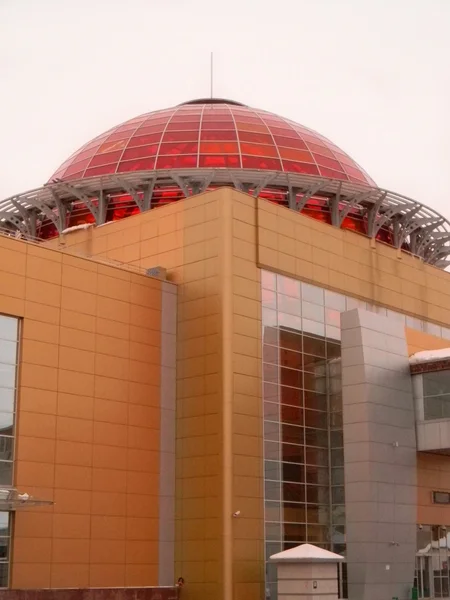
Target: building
x=209 y=314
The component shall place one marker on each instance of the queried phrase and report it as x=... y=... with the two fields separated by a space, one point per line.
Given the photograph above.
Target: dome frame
x=424 y=230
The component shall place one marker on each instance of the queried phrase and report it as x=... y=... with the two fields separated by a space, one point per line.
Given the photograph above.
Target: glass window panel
x=292 y=340
x=337 y=457
x=317 y=494
x=313 y=327
x=270 y=354
x=272 y=511
x=272 y=548
x=9 y=328
x=272 y=490
x=335 y=301
x=333 y=350
x=316 y=456
x=291 y=377
x=272 y=470
x=6 y=473
x=338 y=515
x=4 y=573
x=292 y=396
x=335 y=403
x=270 y=373
x=313 y=312
x=317 y=475
x=7 y=397
x=273 y=531
x=432 y=408
x=7 y=375
x=354 y=303
x=296 y=531
x=271 y=450
x=294 y=492
x=269 y=317
x=337 y=496
x=315 y=382
x=314 y=345
x=271 y=431
x=315 y=400
x=291 y=359
x=336 y=421
x=316 y=419
x=291 y=414
x=414 y=323
x=332 y=317
x=4 y=524
x=435 y=384
x=268 y=280
x=290 y=305
x=337 y=439
x=4 y=548
x=337 y=476
x=292 y=434
x=294 y=513
x=395 y=316
x=269 y=299
x=270 y=391
x=271 y=411
x=293 y=472
x=270 y=335
x=318 y=534
x=317 y=515
x=6 y=422
x=313 y=363
x=288 y=287
x=8 y=352
x=291 y=321
x=311 y=293
x=6 y=448
x=293 y=454
x=316 y=437
x=333 y=333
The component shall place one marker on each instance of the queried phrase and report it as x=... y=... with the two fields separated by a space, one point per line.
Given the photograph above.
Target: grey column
x=379 y=457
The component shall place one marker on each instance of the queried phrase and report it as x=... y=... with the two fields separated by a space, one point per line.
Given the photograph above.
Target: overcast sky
x=372 y=75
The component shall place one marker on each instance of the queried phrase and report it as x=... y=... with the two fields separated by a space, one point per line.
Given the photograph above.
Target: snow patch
x=77 y=227
x=427 y=356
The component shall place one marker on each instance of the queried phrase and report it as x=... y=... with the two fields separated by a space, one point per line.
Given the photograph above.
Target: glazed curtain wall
x=303 y=446
x=9 y=333
x=303 y=436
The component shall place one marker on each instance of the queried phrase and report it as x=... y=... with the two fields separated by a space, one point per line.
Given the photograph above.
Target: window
x=441 y=497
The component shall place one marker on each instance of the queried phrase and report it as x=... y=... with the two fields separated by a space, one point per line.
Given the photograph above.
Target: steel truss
x=426 y=232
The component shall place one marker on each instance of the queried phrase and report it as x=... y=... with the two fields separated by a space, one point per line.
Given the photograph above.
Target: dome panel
x=211 y=134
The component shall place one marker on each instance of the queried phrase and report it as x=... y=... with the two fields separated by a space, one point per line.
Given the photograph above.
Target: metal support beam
x=300 y=204
x=333 y=205
x=82 y=196
x=182 y=183
x=372 y=215
x=263 y=183
x=15 y=221
x=351 y=203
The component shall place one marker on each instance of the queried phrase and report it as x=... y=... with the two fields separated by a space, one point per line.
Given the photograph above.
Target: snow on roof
x=427 y=356
x=306 y=553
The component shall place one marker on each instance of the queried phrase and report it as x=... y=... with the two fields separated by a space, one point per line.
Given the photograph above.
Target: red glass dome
x=211 y=134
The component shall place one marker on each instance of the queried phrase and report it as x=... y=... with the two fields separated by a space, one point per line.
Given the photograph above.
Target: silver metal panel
x=379 y=457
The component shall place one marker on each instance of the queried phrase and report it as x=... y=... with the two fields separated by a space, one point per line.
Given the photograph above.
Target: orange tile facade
x=213 y=247
x=88 y=422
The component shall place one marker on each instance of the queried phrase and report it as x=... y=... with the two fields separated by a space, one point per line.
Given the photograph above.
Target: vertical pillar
x=379 y=457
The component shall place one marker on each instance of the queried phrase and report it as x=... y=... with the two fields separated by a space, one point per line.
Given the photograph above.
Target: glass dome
x=212 y=134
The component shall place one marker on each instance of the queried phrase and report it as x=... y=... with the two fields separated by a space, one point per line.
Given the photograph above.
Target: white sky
x=372 y=75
